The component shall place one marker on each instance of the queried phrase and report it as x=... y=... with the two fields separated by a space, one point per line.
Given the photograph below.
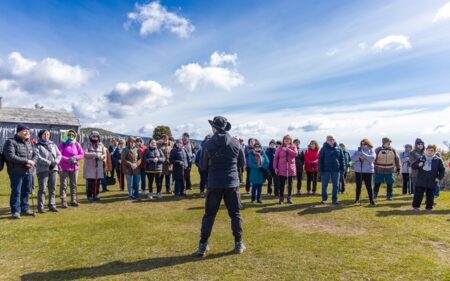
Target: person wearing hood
x=414 y=155
x=406 y=165
x=222 y=157
x=131 y=160
x=430 y=170
x=203 y=174
x=312 y=166
x=363 y=160
x=49 y=157
x=273 y=179
x=331 y=164
x=347 y=164
x=258 y=163
x=299 y=163
x=387 y=163
x=154 y=159
x=71 y=154
x=21 y=158
x=180 y=160
x=94 y=165
x=284 y=166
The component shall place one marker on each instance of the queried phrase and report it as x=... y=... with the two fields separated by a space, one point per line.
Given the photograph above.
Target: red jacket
x=312 y=160
x=284 y=161
x=143 y=149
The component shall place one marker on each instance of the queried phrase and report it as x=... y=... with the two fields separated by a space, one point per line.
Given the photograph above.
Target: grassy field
x=121 y=240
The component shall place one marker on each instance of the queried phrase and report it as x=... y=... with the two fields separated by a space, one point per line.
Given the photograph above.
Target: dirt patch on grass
x=442 y=249
x=316 y=225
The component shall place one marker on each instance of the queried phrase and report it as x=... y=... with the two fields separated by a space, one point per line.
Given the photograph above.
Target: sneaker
x=74 y=204
x=15 y=216
x=64 y=204
x=253 y=201
x=336 y=203
x=143 y=192
x=52 y=209
x=429 y=210
x=308 y=192
x=150 y=196
x=372 y=204
x=298 y=193
x=357 y=203
x=90 y=200
x=281 y=201
x=27 y=213
x=259 y=201
x=389 y=199
x=239 y=247
x=203 y=248
x=323 y=202
x=416 y=209
x=202 y=194
x=41 y=211
x=289 y=200
x=159 y=196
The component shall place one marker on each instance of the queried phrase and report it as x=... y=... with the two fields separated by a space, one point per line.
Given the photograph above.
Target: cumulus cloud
x=126 y=99
x=49 y=76
x=195 y=132
x=193 y=75
x=397 y=42
x=312 y=125
x=256 y=129
x=146 y=130
x=443 y=14
x=153 y=17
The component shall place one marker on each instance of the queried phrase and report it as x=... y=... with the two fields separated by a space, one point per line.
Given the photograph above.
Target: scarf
x=427 y=164
x=257 y=155
x=185 y=142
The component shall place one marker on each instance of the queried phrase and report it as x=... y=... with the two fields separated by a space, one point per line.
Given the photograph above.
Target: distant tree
x=161 y=130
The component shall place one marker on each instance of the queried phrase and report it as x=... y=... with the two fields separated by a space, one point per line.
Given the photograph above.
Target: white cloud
x=397 y=42
x=49 y=76
x=219 y=59
x=195 y=132
x=192 y=75
x=153 y=18
x=127 y=99
x=146 y=130
x=443 y=13
x=331 y=52
x=256 y=129
x=362 y=45
x=312 y=125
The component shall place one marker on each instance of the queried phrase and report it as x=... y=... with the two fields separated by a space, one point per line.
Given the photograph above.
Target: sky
x=351 y=69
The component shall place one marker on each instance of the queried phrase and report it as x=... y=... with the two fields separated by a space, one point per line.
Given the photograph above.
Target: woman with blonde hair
x=363 y=160
x=284 y=166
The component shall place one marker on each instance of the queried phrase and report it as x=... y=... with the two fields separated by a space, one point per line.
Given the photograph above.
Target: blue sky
x=353 y=69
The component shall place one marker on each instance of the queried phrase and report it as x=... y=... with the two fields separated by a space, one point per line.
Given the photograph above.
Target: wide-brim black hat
x=220 y=123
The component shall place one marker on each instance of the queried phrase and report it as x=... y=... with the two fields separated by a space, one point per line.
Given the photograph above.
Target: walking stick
x=32 y=204
x=96 y=179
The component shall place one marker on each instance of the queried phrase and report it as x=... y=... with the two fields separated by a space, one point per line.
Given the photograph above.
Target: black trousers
x=367 y=179
x=342 y=181
x=406 y=189
x=283 y=180
x=156 y=178
x=299 y=178
x=232 y=199
x=311 y=177
x=187 y=175
x=418 y=196
x=247 y=180
x=203 y=180
x=93 y=188
x=276 y=183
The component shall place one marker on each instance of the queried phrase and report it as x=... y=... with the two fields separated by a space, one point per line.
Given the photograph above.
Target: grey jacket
x=364 y=165
x=17 y=152
x=404 y=160
x=45 y=157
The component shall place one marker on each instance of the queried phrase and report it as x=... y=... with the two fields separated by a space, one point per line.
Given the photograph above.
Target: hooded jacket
x=68 y=150
x=414 y=155
x=221 y=157
x=180 y=161
x=256 y=174
x=331 y=159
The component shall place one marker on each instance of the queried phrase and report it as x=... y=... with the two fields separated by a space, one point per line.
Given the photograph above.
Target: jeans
x=326 y=176
x=20 y=193
x=437 y=190
x=405 y=178
x=166 y=178
x=311 y=177
x=143 y=180
x=418 y=196
x=367 y=178
x=187 y=174
x=283 y=180
x=256 y=192
x=47 y=180
x=133 y=186
x=232 y=199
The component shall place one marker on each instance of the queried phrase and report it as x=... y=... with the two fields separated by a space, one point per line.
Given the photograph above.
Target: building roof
x=37 y=116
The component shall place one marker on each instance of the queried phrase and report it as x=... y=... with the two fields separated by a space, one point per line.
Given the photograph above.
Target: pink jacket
x=284 y=161
x=67 y=151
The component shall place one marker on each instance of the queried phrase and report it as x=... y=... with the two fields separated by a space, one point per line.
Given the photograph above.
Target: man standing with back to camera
x=221 y=158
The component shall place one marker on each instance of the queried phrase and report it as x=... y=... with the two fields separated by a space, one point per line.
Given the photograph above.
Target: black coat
x=150 y=155
x=180 y=160
x=300 y=159
x=17 y=152
x=427 y=179
x=222 y=156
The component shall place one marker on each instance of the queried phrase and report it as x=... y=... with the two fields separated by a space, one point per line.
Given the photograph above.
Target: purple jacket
x=67 y=151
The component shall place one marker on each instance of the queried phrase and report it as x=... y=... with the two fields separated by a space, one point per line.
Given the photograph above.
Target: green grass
x=120 y=240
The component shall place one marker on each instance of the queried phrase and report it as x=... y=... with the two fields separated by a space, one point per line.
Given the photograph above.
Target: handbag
x=110 y=180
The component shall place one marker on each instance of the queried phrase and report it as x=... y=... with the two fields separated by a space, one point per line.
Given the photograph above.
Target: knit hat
x=22 y=127
x=386 y=140
x=419 y=141
x=272 y=141
x=408 y=146
x=94 y=133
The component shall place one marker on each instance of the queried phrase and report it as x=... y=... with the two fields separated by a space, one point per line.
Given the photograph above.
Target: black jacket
x=150 y=155
x=427 y=179
x=17 y=152
x=331 y=159
x=222 y=156
x=180 y=160
x=300 y=159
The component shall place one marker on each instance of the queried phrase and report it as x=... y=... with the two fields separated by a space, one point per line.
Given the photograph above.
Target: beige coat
x=91 y=164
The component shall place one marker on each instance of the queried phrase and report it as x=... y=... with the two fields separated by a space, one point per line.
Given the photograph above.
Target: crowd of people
x=143 y=168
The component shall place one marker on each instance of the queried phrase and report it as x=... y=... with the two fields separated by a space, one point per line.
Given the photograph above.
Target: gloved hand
x=52 y=165
x=73 y=160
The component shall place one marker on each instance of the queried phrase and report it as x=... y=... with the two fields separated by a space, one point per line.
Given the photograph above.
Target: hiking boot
x=150 y=196
x=281 y=201
x=253 y=201
x=159 y=196
x=53 y=209
x=289 y=200
x=389 y=199
x=259 y=201
x=63 y=204
x=74 y=204
x=372 y=204
x=96 y=199
x=203 y=248
x=239 y=247
x=41 y=211
x=15 y=216
x=336 y=203
x=357 y=203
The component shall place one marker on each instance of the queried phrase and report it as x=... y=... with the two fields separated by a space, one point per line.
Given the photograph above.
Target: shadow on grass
x=286 y=208
x=412 y=213
x=118 y=267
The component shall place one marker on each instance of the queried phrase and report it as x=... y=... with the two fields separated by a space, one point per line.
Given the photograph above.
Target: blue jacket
x=180 y=160
x=364 y=165
x=331 y=159
x=270 y=153
x=256 y=174
x=222 y=156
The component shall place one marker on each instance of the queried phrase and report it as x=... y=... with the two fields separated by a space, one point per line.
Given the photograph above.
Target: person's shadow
x=118 y=267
